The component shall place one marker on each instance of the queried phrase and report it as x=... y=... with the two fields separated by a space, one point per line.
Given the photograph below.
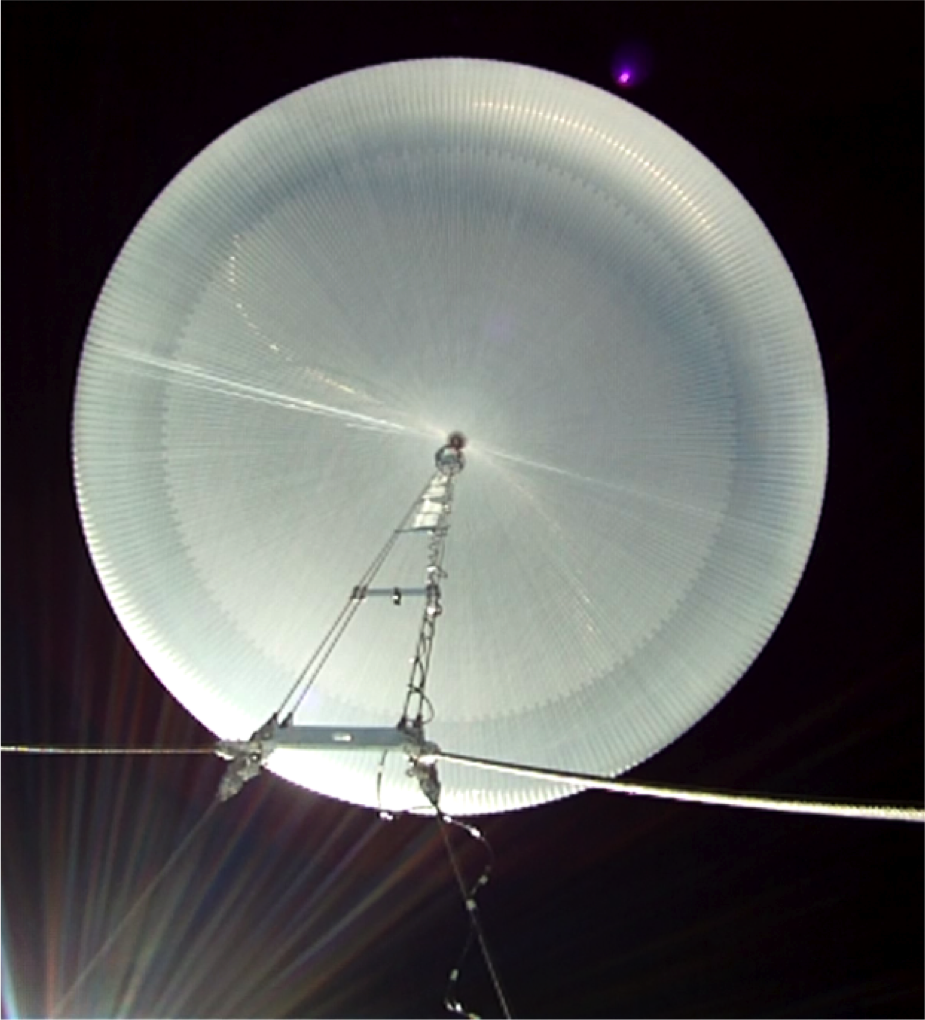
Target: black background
x=285 y=904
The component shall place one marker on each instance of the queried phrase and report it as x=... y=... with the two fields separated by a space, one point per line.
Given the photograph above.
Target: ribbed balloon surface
x=336 y=283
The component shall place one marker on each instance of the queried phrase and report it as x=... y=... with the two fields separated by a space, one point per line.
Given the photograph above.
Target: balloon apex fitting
x=449 y=458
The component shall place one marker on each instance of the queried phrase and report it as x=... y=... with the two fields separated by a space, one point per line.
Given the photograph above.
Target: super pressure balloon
x=370 y=264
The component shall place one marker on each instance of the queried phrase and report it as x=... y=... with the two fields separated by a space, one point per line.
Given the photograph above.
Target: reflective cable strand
x=792 y=805
x=46 y=749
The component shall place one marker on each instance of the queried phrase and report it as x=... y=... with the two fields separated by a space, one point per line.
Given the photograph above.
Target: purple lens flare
x=630 y=64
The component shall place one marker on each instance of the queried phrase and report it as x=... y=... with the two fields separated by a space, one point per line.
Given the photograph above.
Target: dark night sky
x=284 y=904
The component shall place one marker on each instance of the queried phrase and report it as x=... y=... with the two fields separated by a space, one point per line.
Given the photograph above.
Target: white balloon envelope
x=363 y=266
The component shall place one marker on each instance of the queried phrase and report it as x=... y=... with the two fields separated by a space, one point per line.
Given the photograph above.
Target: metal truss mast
x=430 y=513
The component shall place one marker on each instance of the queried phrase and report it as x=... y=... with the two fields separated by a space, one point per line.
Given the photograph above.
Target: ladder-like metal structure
x=430 y=514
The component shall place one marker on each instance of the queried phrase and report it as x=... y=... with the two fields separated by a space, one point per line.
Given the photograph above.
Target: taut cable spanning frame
x=584 y=781
x=65 y=749
x=431 y=754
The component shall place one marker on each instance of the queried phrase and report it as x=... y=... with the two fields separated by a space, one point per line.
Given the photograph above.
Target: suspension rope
x=881 y=812
x=308 y=675
x=45 y=749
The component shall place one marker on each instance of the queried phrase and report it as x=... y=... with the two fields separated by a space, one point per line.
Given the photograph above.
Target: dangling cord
x=475 y=925
x=387 y=815
x=450 y=999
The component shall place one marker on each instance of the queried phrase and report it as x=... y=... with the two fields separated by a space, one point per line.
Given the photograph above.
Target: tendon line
x=152 y=885
x=194 y=377
x=794 y=805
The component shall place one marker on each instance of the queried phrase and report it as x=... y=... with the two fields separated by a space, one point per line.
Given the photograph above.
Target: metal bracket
x=247 y=757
